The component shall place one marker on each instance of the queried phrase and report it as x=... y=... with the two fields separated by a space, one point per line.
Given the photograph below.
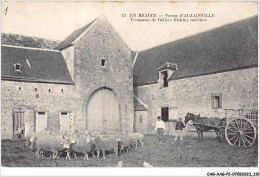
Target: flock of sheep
x=87 y=142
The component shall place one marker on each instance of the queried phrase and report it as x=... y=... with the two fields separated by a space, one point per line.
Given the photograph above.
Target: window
x=103 y=62
x=216 y=100
x=64 y=121
x=165 y=114
x=41 y=121
x=41 y=113
x=164 y=77
x=35 y=89
x=17 y=67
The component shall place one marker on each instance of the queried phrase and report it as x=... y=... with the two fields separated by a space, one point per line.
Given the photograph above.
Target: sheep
x=95 y=133
x=49 y=143
x=31 y=139
x=124 y=142
x=135 y=138
x=106 y=144
x=83 y=146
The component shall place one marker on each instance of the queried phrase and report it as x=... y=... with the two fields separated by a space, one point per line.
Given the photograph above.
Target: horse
x=203 y=124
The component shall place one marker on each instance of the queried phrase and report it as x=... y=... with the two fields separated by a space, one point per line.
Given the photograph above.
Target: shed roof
x=38 y=65
x=138 y=106
x=226 y=48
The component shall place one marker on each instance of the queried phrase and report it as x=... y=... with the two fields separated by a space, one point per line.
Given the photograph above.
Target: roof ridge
x=201 y=32
x=31 y=48
x=74 y=35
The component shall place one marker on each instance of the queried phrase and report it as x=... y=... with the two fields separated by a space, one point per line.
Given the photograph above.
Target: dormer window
x=164 y=77
x=17 y=67
x=103 y=62
x=165 y=72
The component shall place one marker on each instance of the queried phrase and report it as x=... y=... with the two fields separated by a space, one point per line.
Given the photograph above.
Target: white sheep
x=106 y=144
x=135 y=138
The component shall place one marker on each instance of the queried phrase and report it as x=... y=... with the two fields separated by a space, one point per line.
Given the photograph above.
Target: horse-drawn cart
x=239 y=127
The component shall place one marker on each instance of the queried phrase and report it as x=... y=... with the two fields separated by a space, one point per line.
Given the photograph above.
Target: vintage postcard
x=130 y=84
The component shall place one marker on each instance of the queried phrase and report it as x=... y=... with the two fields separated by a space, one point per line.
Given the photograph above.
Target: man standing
x=159 y=128
x=178 y=128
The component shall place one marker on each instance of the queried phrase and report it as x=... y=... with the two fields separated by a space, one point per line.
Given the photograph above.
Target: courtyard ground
x=188 y=153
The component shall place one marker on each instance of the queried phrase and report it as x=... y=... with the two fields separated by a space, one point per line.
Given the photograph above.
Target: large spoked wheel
x=240 y=132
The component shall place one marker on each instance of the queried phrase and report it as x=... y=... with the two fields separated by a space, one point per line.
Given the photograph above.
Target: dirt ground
x=188 y=153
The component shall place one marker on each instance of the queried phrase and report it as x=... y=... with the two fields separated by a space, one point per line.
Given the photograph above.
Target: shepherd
x=159 y=128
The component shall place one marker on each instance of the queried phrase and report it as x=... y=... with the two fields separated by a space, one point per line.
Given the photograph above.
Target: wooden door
x=19 y=124
x=110 y=111
x=41 y=121
x=165 y=114
x=64 y=121
x=103 y=111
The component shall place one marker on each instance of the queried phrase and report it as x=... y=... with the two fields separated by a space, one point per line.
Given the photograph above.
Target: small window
x=49 y=90
x=103 y=62
x=41 y=113
x=35 y=89
x=216 y=101
x=17 y=67
x=20 y=88
x=165 y=114
x=64 y=113
x=62 y=91
x=164 y=77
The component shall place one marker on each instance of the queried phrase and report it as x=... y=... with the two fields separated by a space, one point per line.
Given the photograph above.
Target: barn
x=209 y=74
x=85 y=82
x=93 y=81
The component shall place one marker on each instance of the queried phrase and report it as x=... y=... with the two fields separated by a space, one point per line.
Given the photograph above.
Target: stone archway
x=103 y=110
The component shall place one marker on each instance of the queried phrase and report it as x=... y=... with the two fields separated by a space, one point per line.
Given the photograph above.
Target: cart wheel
x=240 y=132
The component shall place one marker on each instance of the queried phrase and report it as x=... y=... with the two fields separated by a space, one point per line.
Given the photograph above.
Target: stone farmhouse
x=85 y=83
x=93 y=81
x=204 y=74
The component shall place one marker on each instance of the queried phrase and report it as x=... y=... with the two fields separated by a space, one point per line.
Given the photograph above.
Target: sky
x=57 y=20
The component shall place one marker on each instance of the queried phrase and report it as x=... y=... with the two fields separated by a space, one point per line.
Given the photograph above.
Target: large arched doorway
x=103 y=110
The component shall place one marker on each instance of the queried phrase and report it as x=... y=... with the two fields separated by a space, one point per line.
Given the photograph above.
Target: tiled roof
x=229 y=47
x=73 y=36
x=38 y=65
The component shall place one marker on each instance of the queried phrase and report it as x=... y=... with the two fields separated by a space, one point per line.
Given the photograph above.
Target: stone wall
x=239 y=90
x=23 y=95
x=98 y=42
x=68 y=55
x=83 y=61
x=140 y=123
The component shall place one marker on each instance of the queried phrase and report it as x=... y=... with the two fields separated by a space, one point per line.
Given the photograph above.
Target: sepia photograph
x=130 y=84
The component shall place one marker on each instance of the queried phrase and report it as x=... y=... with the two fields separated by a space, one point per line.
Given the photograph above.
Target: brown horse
x=203 y=124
